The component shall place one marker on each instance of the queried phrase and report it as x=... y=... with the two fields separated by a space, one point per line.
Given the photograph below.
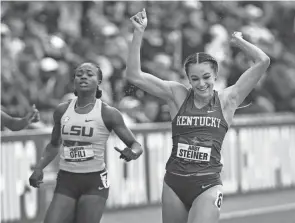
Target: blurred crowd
x=43 y=42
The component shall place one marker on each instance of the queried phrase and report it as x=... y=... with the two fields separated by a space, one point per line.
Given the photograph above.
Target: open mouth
x=203 y=89
x=83 y=84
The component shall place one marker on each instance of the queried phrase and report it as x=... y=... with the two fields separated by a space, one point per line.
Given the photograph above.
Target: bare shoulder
x=60 y=110
x=179 y=91
x=111 y=116
x=111 y=111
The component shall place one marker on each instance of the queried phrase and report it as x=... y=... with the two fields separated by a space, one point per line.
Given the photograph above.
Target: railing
x=258 y=154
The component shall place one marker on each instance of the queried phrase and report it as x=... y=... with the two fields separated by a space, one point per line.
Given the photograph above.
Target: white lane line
x=257 y=211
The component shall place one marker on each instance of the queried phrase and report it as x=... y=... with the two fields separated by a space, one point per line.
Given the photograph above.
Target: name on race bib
x=194 y=153
x=78 y=153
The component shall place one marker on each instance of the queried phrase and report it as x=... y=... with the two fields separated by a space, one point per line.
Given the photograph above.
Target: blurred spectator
x=131 y=110
x=43 y=42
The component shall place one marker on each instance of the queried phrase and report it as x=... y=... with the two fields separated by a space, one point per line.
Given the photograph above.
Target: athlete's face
x=86 y=78
x=202 y=78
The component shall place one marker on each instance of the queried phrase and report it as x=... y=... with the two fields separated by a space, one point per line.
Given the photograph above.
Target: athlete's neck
x=201 y=101
x=84 y=100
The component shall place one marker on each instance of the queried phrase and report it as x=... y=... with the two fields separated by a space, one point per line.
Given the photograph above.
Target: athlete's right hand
x=139 y=21
x=127 y=154
x=36 y=178
x=33 y=116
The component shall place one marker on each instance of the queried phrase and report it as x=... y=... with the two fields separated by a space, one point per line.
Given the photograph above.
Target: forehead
x=200 y=69
x=87 y=66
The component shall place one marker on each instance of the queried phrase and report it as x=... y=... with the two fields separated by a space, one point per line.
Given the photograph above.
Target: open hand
x=127 y=154
x=139 y=21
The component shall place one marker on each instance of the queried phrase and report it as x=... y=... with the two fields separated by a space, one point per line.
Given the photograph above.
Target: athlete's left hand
x=127 y=154
x=236 y=37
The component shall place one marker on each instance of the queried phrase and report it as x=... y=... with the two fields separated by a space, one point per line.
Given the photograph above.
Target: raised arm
x=145 y=81
x=248 y=80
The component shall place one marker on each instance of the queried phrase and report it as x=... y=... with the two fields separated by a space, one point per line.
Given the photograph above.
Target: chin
x=205 y=94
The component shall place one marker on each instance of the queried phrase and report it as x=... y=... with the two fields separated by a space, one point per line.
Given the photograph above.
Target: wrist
x=37 y=168
x=136 y=148
x=138 y=32
x=26 y=120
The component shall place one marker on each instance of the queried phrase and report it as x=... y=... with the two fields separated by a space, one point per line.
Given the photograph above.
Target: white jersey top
x=84 y=138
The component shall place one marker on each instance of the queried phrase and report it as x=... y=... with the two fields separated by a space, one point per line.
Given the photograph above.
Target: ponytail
x=98 y=93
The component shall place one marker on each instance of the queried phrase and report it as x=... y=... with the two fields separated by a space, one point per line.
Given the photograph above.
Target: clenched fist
x=139 y=21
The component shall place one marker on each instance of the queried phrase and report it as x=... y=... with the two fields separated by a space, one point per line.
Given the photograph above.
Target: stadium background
x=43 y=42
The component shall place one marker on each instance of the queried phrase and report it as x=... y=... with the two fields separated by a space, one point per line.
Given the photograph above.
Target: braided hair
x=198 y=58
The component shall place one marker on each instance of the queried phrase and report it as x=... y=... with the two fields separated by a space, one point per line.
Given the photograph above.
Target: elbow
x=263 y=61
x=266 y=60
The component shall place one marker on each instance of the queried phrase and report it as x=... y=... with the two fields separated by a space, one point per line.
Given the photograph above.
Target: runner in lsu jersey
x=192 y=188
x=82 y=127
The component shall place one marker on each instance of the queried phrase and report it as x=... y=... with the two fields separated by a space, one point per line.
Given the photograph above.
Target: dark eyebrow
x=198 y=76
x=87 y=69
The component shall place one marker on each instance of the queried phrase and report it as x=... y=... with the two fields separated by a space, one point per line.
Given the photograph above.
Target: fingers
x=127 y=154
x=125 y=158
x=143 y=13
x=35 y=115
x=35 y=183
x=139 y=17
x=118 y=150
x=122 y=156
x=39 y=183
x=237 y=34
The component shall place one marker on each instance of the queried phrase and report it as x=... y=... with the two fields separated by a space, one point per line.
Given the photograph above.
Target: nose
x=201 y=83
x=84 y=76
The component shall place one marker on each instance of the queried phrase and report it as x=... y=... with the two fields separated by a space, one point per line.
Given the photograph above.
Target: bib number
x=193 y=153
x=218 y=200
x=78 y=153
x=104 y=179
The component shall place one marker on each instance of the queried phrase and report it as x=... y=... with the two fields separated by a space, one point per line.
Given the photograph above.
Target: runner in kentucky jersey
x=192 y=188
x=83 y=125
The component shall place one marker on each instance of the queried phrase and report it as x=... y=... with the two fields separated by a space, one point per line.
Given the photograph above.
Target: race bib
x=104 y=179
x=78 y=153
x=194 y=153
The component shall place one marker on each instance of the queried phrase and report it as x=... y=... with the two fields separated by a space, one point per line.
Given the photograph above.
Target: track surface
x=267 y=207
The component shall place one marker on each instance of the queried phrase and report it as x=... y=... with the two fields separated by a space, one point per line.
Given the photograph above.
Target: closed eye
x=79 y=74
